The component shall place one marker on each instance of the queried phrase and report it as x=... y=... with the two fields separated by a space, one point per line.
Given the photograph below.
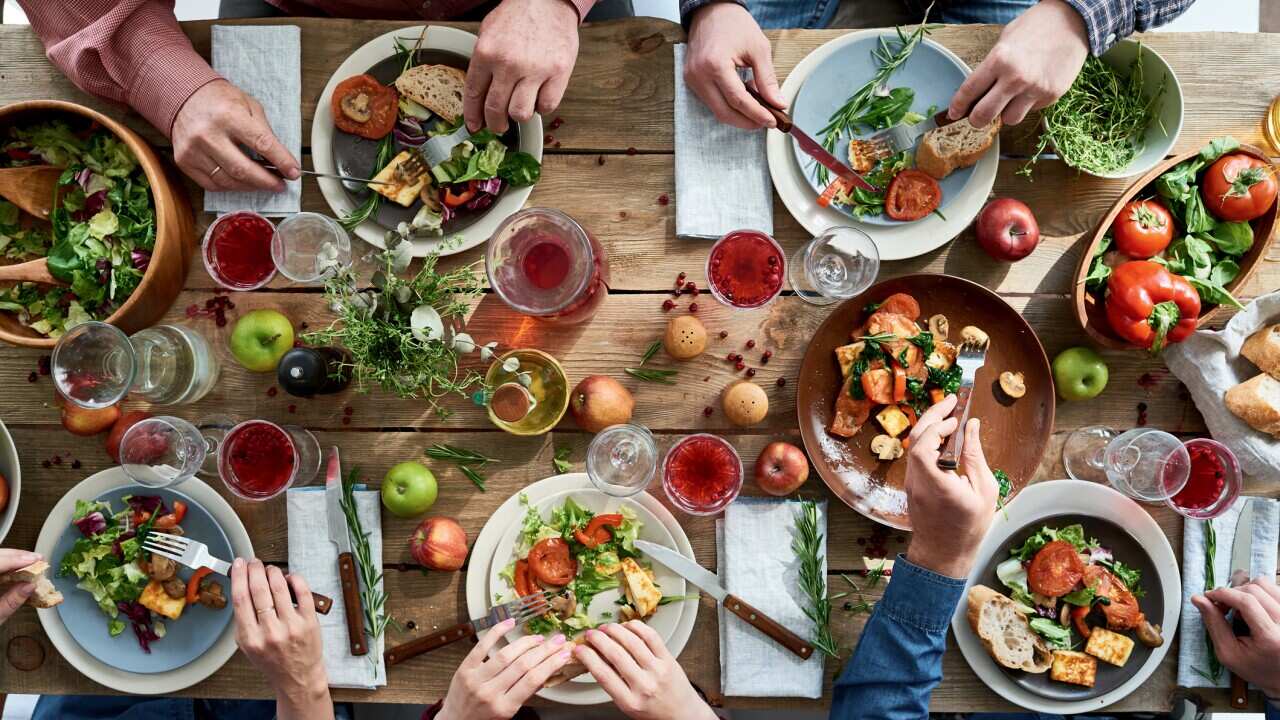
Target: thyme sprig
x=469 y=462
x=372 y=597
x=807 y=545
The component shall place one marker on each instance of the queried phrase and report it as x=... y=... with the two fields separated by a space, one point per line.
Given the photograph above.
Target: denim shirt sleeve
x=1110 y=21
x=1273 y=709
x=688 y=7
x=898 y=660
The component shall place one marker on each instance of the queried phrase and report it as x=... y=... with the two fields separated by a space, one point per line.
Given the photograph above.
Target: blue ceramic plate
x=933 y=73
x=185 y=639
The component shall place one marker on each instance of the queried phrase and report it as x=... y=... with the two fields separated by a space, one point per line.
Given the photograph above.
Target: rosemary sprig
x=373 y=598
x=1210 y=552
x=473 y=475
x=649 y=352
x=862 y=605
x=658 y=376
x=807 y=545
x=469 y=462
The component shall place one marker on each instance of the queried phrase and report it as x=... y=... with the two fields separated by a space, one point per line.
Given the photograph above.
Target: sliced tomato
x=899 y=383
x=911 y=196
x=836 y=187
x=597 y=531
x=877 y=385
x=1077 y=618
x=173 y=519
x=454 y=200
x=523 y=579
x=383 y=107
x=551 y=563
x=1122 y=611
x=902 y=304
x=193 y=585
x=1055 y=570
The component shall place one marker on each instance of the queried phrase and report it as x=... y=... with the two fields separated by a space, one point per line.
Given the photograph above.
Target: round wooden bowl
x=1092 y=315
x=175 y=234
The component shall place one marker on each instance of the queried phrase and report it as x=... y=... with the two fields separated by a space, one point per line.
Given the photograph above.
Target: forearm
x=1110 y=21
x=898 y=660
x=310 y=703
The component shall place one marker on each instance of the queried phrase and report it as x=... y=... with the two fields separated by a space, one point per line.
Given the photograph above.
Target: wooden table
x=609 y=167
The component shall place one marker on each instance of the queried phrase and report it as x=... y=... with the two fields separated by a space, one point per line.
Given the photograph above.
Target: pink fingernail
x=507 y=624
x=558 y=640
x=239 y=563
x=566 y=654
x=537 y=638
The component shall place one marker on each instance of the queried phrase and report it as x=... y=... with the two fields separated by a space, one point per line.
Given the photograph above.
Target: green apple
x=260 y=338
x=409 y=489
x=1079 y=373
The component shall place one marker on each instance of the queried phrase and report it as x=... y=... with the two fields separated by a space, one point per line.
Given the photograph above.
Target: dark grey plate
x=1127 y=550
x=355 y=156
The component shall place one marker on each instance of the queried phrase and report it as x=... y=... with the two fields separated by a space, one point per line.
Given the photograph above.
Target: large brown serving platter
x=1014 y=432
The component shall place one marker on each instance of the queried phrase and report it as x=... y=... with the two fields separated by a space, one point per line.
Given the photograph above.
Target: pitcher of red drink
x=545 y=265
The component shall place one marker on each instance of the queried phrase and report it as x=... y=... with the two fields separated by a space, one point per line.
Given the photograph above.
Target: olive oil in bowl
x=531 y=399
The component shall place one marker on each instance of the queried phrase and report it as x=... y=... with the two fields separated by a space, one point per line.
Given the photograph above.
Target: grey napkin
x=312 y=556
x=1192 y=645
x=722 y=174
x=1208 y=363
x=757 y=565
x=266 y=63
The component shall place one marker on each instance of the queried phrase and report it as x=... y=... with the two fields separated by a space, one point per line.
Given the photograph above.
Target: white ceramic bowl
x=11 y=469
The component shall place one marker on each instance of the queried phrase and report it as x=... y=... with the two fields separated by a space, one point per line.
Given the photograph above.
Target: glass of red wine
x=745 y=269
x=237 y=250
x=544 y=264
x=702 y=474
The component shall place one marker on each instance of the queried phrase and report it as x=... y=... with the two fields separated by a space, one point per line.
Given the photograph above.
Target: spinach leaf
x=1189 y=256
x=1099 y=271
x=1231 y=238
x=519 y=169
x=1218 y=147
x=1224 y=272
x=1213 y=293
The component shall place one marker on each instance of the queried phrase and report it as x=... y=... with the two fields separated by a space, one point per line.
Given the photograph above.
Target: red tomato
x=1122 y=612
x=551 y=563
x=383 y=107
x=1142 y=229
x=173 y=519
x=1055 y=570
x=912 y=195
x=596 y=531
x=836 y=187
x=902 y=304
x=1077 y=616
x=899 y=383
x=523 y=579
x=1238 y=187
x=877 y=385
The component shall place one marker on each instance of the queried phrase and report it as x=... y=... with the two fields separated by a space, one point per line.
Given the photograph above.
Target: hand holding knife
x=811 y=146
x=340 y=536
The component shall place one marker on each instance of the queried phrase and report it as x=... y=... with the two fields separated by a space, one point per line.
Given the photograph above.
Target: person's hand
x=281 y=641
x=522 y=62
x=207 y=134
x=634 y=667
x=1255 y=657
x=949 y=513
x=18 y=593
x=1036 y=59
x=722 y=38
x=495 y=688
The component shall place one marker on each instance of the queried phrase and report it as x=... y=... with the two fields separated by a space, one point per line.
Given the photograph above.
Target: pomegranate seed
x=767 y=354
x=751 y=372
x=632 y=151
x=680 y=278
x=773 y=260
x=782 y=382
x=690 y=287
x=667 y=305
x=346 y=421
x=193 y=310
x=739 y=365
x=695 y=292
x=729 y=357
x=556 y=144
x=221 y=321
x=663 y=199
x=706 y=411
x=32 y=377
x=302 y=326
x=737 y=357
x=622 y=214
x=693 y=307
x=44 y=364
x=272 y=391
x=600 y=160
x=548 y=139
x=230 y=305
x=751 y=344
x=293 y=409
x=75 y=465
x=724 y=334
x=348 y=410
x=57 y=459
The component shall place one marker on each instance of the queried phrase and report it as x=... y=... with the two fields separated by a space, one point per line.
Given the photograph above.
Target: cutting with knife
x=811 y=146
x=340 y=536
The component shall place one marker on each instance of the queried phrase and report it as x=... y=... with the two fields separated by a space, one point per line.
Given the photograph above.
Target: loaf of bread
x=437 y=88
x=45 y=594
x=1006 y=632
x=945 y=149
x=1257 y=402
x=1263 y=349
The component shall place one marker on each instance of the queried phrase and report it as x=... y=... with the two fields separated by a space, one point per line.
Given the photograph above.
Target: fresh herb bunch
x=1210 y=552
x=372 y=596
x=469 y=462
x=807 y=545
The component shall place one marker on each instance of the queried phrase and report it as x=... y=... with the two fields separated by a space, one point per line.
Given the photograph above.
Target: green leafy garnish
x=372 y=598
x=561 y=460
x=468 y=462
x=650 y=351
x=658 y=376
x=807 y=545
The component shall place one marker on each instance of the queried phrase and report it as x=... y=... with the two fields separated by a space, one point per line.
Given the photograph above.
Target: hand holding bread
x=23 y=582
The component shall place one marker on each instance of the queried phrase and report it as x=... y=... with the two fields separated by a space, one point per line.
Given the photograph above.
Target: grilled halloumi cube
x=847 y=355
x=155 y=599
x=400 y=190
x=893 y=420
x=1073 y=667
x=1110 y=647
x=641 y=591
x=942 y=357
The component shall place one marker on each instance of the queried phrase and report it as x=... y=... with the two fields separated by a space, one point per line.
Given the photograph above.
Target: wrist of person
x=306 y=694
x=690 y=10
x=950 y=563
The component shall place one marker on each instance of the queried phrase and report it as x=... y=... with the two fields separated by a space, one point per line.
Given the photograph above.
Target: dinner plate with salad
x=396 y=99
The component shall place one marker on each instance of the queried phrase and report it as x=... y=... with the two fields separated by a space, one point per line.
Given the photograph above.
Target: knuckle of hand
x=492 y=104
x=238 y=172
x=262 y=142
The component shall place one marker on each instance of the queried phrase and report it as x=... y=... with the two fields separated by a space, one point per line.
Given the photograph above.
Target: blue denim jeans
x=818 y=13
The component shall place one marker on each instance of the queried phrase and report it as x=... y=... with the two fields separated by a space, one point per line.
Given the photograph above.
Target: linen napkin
x=722 y=175
x=312 y=556
x=757 y=565
x=1208 y=363
x=266 y=63
x=1192 y=643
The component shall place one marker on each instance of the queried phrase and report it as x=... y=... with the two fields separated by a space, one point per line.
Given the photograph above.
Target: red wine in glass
x=702 y=474
x=544 y=264
x=237 y=250
x=745 y=269
x=259 y=460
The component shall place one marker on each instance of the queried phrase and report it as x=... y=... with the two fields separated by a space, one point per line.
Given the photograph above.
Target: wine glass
x=622 y=460
x=163 y=451
x=839 y=264
x=309 y=247
x=1144 y=463
x=94 y=365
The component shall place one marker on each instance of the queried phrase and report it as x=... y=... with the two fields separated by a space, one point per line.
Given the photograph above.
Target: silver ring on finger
x=266 y=609
x=216 y=169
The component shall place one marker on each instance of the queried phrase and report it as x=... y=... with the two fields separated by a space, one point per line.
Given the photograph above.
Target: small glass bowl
x=717 y=291
x=680 y=500
x=1232 y=482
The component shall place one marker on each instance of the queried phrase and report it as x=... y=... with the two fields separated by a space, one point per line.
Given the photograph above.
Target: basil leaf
x=1231 y=238
x=1213 y=294
x=1195 y=218
x=1218 y=147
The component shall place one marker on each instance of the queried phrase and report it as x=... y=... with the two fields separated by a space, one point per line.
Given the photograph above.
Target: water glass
x=622 y=460
x=309 y=247
x=163 y=451
x=839 y=264
x=1144 y=463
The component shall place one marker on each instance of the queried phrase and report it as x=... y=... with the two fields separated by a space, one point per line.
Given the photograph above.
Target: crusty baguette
x=1005 y=631
x=944 y=150
x=1257 y=402
x=45 y=594
x=1263 y=349
x=571 y=670
x=437 y=88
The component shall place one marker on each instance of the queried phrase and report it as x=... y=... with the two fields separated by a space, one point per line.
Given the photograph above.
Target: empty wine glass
x=840 y=263
x=309 y=247
x=1144 y=463
x=163 y=451
x=622 y=460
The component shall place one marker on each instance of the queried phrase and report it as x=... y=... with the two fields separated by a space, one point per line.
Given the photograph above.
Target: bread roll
x=1006 y=632
x=1263 y=349
x=45 y=594
x=1257 y=402
x=437 y=88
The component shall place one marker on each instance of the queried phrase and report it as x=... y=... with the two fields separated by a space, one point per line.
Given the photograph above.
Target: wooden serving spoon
x=31 y=271
x=31 y=188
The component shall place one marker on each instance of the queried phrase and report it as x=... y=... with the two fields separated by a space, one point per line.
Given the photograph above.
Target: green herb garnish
x=469 y=462
x=650 y=351
x=807 y=545
x=658 y=376
x=372 y=598
x=561 y=460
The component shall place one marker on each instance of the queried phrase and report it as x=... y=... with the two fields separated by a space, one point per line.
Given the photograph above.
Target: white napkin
x=757 y=565
x=1192 y=644
x=312 y=556
x=1209 y=363
x=266 y=63
x=722 y=175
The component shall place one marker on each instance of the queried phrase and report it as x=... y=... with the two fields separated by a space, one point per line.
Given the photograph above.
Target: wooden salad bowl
x=1092 y=315
x=175 y=227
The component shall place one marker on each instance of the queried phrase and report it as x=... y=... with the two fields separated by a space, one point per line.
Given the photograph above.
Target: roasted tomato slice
x=524 y=581
x=597 y=531
x=1122 y=611
x=551 y=563
x=1055 y=570
x=1078 y=616
x=911 y=196
x=902 y=304
x=877 y=386
x=379 y=102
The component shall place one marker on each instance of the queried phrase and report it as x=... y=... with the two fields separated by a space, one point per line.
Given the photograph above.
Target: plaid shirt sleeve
x=129 y=51
x=1109 y=21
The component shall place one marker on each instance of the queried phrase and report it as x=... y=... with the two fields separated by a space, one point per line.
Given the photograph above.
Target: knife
x=710 y=584
x=1241 y=561
x=340 y=535
x=811 y=146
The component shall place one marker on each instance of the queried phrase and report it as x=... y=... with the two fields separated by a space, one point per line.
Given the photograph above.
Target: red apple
x=781 y=468
x=86 y=421
x=600 y=401
x=118 y=430
x=1007 y=229
x=4 y=493
x=439 y=543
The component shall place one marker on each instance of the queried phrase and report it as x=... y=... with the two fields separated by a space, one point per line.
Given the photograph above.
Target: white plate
x=134 y=683
x=483 y=556
x=1068 y=497
x=448 y=39
x=11 y=469
x=897 y=242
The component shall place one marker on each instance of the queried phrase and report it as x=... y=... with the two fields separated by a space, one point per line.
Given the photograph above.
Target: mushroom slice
x=1013 y=384
x=939 y=327
x=974 y=335
x=356 y=106
x=887 y=448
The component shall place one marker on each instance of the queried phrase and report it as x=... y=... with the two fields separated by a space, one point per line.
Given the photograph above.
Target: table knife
x=710 y=584
x=811 y=146
x=1241 y=563
x=340 y=536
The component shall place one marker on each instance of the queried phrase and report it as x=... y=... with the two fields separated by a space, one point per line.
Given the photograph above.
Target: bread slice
x=437 y=88
x=1257 y=402
x=45 y=594
x=1006 y=632
x=944 y=150
x=570 y=670
x=1263 y=349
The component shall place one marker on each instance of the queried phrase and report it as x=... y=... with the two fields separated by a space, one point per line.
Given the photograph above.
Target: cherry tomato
x=551 y=563
x=597 y=531
x=454 y=200
x=911 y=196
x=523 y=580
x=383 y=107
x=1055 y=570
x=1238 y=187
x=1142 y=229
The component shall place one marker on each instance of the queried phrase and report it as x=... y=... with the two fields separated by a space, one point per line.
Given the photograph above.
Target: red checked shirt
x=133 y=51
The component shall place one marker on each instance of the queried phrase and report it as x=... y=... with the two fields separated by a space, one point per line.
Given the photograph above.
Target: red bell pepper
x=173 y=519
x=1149 y=306
x=838 y=186
x=193 y=585
x=461 y=197
x=595 y=532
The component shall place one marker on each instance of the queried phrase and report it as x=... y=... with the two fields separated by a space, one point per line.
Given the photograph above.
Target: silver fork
x=902 y=136
x=522 y=609
x=432 y=153
x=195 y=555
x=973 y=355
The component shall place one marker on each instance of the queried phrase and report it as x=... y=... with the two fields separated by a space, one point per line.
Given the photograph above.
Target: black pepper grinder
x=307 y=371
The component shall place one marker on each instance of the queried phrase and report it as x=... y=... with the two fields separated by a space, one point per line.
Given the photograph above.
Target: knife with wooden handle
x=340 y=536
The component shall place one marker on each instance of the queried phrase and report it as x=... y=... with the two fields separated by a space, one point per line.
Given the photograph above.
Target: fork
x=432 y=153
x=522 y=609
x=973 y=355
x=195 y=554
x=901 y=136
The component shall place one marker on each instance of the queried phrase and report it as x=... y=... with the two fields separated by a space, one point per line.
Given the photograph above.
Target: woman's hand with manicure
x=495 y=688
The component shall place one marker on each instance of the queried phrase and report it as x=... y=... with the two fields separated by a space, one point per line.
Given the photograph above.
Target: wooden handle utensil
x=768 y=626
